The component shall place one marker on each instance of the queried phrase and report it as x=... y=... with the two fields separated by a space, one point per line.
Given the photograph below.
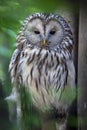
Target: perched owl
x=42 y=63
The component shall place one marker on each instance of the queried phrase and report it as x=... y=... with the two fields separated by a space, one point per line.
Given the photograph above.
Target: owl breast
x=43 y=73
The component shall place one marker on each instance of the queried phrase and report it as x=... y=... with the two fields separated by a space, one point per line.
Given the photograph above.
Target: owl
x=42 y=63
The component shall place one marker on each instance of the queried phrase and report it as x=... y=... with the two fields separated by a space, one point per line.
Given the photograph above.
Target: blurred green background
x=12 y=13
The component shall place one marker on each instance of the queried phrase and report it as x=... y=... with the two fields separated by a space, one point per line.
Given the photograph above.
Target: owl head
x=46 y=31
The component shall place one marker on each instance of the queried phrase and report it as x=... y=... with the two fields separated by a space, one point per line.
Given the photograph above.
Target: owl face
x=44 y=33
x=48 y=31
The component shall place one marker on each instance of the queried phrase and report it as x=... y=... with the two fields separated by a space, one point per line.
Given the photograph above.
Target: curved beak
x=44 y=42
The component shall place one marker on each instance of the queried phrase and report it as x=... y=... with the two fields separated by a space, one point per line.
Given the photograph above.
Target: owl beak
x=44 y=42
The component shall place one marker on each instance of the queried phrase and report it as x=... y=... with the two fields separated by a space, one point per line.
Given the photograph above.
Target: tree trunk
x=82 y=69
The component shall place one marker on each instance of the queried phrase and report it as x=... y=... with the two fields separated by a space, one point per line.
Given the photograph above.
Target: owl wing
x=13 y=65
x=71 y=80
x=71 y=73
x=69 y=93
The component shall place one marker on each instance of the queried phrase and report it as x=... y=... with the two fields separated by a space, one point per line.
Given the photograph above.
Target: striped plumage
x=45 y=71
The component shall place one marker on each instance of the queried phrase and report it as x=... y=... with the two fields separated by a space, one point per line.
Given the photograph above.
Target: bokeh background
x=12 y=14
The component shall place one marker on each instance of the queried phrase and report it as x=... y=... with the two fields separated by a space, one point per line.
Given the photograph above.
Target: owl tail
x=54 y=125
x=61 y=126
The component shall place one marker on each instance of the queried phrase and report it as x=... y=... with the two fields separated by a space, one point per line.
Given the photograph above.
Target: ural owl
x=42 y=63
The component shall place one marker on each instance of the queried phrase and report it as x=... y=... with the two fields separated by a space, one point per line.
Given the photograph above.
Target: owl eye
x=36 y=32
x=52 y=32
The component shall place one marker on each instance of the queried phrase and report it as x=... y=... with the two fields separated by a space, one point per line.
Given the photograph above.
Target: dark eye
x=36 y=32
x=52 y=32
